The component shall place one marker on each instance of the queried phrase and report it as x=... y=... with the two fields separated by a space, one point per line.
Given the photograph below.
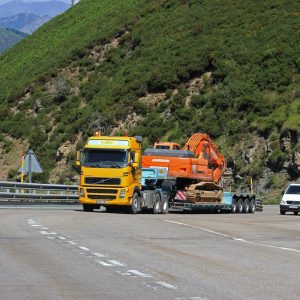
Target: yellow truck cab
x=110 y=173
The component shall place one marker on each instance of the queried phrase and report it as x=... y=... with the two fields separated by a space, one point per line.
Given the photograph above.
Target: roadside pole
x=22 y=167
x=29 y=166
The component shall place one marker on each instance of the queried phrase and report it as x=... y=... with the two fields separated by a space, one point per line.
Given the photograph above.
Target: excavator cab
x=166 y=146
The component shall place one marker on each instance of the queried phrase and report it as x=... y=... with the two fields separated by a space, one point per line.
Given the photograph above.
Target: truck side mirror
x=78 y=163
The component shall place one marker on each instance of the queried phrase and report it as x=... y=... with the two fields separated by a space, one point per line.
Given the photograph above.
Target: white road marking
x=197 y=227
x=47 y=232
x=234 y=238
x=103 y=263
x=136 y=273
x=191 y=298
x=98 y=254
x=266 y=245
x=31 y=221
x=108 y=263
x=71 y=242
x=84 y=248
x=116 y=263
x=167 y=285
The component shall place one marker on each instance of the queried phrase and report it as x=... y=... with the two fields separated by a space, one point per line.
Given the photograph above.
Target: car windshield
x=293 y=189
x=98 y=158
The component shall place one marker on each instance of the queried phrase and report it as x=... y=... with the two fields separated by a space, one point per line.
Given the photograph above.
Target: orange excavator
x=194 y=170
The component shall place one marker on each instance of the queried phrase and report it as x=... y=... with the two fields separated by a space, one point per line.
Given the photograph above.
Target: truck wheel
x=295 y=213
x=135 y=205
x=282 y=212
x=88 y=207
x=157 y=204
x=252 y=206
x=246 y=206
x=233 y=206
x=165 y=204
x=239 y=206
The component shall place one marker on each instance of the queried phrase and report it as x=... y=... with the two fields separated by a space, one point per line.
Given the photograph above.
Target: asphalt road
x=65 y=253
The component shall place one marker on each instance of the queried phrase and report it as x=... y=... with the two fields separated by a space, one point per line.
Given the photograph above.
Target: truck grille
x=102 y=180
x=102 y=197
x=102 y=191
x=102 y=194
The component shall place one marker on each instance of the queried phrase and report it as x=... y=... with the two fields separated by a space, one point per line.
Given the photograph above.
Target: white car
x=291 y=199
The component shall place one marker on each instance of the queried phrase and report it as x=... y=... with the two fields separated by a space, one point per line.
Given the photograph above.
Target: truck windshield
x=293 y=189
x=98 y=158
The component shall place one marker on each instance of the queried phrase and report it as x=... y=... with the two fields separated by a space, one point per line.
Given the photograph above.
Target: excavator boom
x=204 y=148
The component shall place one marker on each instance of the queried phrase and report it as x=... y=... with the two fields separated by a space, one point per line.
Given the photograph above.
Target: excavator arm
x=204 y=148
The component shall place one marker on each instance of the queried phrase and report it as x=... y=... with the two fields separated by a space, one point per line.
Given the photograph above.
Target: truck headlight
x=122 y=193
x=283 y=202
x=81 y=193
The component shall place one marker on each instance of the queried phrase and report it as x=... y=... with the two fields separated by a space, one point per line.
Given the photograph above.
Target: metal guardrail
x=16 y=192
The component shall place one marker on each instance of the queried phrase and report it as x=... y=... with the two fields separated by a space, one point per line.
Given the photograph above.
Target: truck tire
x=165 y=203
x=239 y=206
x=246 y=206
x=134 y=208
x=233 y=206
x=252 y=206
x=157 y=204
x=282 y=212
x=295 y=213
x=88 y=207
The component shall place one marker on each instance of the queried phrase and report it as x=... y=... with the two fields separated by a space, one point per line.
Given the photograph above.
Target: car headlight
x=122 y=193
x=282 y=202
x=81 y=193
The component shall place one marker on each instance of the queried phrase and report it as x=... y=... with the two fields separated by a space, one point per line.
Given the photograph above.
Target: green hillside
x=136 y=63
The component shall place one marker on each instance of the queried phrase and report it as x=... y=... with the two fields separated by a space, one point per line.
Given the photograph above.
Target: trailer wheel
x=135 y=205
x=164 y=203
x=246 y=206
x=239 y=206
x=252 y=206
x=157 y=204
x=233 y=206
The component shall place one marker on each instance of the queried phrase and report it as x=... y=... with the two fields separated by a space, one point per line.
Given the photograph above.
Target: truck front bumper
x=104 y=196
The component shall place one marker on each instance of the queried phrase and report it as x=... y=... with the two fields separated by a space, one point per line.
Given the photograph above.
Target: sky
x=4 y=1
